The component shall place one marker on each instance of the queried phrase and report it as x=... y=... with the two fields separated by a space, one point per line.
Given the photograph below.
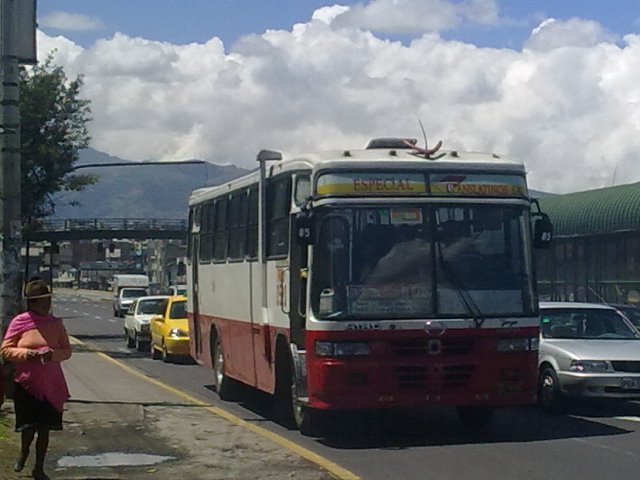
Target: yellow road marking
x=333 y=468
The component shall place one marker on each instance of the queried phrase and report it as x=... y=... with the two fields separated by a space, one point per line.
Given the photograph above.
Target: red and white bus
x=386 y=277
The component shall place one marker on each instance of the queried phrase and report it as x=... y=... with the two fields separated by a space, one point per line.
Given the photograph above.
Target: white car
x=136 y=321
x=586 y=350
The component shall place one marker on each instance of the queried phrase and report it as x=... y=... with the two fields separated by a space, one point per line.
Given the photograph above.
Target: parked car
x=170 y=330
x=137 y=320
x=586 y=350
x=630 y=311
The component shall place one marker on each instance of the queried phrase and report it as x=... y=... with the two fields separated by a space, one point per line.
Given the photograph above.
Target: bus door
x=298 y=289
x=194 y=241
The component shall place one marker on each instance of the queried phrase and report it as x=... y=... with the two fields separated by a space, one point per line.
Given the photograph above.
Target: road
x=592 y=441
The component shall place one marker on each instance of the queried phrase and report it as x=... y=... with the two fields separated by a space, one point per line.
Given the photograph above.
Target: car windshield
x=421 y=261
x=178 y=310
x=585 y=323
x=632 y=313
x=151 y=306
x=133 y=292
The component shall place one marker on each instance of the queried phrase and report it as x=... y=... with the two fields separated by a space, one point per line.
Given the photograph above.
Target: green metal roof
x=605 y=210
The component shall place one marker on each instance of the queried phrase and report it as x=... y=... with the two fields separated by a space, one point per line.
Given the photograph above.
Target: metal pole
x=10 y=223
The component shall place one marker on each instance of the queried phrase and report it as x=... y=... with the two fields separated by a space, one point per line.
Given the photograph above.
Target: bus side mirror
x=542 y=231
x=304 y=227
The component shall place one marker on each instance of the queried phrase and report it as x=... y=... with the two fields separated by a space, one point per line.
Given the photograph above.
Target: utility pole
x=17 y=45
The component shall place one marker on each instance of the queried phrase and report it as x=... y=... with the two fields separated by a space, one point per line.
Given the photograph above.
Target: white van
x=126 y=288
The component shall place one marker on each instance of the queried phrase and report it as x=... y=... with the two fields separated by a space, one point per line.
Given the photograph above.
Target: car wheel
x=549 y=395
x=155 y=354
x=166 y=357
x=140 y=344
x=475 y=417
x=130 y=341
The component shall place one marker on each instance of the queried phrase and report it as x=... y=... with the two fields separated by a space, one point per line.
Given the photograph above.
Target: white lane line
x=98 y=317
x=112 y=320
x=123 y=350
x=628 y=419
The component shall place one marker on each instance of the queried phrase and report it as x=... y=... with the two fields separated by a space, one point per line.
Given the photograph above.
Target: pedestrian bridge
x=109 y=228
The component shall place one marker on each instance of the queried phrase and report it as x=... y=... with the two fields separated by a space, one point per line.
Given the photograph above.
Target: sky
x=553 y=83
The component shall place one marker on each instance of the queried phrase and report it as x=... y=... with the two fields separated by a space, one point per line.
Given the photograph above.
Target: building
x=595 y=254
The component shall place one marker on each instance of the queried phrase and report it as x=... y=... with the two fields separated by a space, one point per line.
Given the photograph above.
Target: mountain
x=153 y=191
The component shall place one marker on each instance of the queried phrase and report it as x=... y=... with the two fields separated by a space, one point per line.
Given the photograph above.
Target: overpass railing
x=126 y=224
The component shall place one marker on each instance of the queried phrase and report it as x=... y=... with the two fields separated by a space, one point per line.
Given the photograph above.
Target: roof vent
x=390 y=142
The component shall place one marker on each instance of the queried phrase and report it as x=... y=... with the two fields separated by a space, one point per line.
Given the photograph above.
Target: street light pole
x=17 y=45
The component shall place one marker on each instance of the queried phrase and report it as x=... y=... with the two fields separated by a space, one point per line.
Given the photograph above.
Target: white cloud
x=66 y=21
x=575 y=32
x=571 y=114
x=416 y=16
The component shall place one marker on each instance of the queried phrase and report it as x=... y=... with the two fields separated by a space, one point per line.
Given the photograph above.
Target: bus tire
x=225 y=386
x=289 y=411
x=475 y=417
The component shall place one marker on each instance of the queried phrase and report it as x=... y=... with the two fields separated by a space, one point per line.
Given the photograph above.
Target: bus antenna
x=426 y=151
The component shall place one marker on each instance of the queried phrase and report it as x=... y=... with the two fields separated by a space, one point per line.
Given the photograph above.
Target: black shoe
x=19 y=465
x=39 y=475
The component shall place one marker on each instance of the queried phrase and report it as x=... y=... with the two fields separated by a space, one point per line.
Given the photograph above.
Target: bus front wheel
x=289 y=410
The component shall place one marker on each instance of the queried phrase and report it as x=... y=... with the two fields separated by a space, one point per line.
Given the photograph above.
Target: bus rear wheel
x=225 y=386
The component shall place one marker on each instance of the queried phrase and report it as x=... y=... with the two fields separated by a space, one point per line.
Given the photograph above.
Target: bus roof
x=371 y=159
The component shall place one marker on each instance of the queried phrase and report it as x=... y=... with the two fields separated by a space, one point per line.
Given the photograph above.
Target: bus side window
x=252 y=221
x=221 y=235
x=278 y=208
x=238 y=224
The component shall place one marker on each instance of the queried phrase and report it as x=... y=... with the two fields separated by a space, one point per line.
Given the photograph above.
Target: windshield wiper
x=465 y=297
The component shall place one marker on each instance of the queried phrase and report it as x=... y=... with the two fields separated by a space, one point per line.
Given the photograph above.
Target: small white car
x=137 y=329
x=586 y=350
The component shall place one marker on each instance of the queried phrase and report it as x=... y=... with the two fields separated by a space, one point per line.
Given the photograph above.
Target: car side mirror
x=158 y=318
x=542 y=231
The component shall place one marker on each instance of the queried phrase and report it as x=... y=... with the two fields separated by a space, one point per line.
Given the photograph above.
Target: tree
x=53 y=130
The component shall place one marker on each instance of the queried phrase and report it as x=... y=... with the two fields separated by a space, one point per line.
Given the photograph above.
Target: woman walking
x=36 y=342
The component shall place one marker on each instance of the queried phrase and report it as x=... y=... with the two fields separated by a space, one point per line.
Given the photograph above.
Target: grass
x=9 y=443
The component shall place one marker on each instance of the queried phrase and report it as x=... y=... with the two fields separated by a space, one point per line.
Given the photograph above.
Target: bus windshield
x=421 y=262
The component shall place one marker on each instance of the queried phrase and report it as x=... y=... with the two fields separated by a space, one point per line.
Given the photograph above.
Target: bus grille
x=419 y=346
x=411 y=377
x=626 y=366
x=456 y=376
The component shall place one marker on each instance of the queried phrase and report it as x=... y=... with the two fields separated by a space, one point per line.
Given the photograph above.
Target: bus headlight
x=518 y=344
x=341 y=349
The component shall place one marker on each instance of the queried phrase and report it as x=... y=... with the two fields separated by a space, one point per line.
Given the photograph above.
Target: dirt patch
x=9 y=442
x=196 y=444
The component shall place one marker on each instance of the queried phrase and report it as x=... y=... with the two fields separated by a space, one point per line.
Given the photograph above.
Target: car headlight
x=342 y=349
x=144 y=327
x=177 y=333
x=521 y=344
x=588 y=366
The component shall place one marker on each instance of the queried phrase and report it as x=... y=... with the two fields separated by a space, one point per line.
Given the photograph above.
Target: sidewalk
x=119 y=426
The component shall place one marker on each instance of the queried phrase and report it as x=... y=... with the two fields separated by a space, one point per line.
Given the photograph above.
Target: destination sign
x=478 y=185
x=354 y=183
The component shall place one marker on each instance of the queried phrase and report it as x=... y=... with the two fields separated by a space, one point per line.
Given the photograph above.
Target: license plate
x=630 y=383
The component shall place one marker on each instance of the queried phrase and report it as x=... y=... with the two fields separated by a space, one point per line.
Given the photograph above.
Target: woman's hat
x=36 y=289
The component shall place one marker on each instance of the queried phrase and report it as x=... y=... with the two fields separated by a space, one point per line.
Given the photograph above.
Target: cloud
x=71 y=22
x=416 y=16
x=568 y=104
x=550 y=34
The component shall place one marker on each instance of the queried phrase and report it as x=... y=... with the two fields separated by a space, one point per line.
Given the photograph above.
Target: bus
x=393 y=276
